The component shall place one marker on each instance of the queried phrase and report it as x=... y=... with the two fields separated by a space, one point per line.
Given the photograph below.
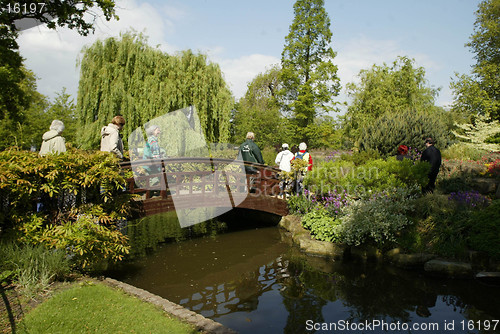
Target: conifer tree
x=308 y=74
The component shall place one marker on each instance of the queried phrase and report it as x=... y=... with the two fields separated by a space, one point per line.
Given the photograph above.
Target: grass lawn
x=97 y=308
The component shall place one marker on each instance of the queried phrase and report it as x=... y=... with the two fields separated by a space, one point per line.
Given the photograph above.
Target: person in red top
x=303 y=154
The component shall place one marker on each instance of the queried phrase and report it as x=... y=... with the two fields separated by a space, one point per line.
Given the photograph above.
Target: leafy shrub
x=33 y=268
x=321 y=224
x=484 y=232
x=456 y=175
x=403 y=128
x=269 y=155
x=442 y=227
x=300 y=204
x=364 y=180
x=460 y=151
x=378 y=219
x=362 y=157
x=48 y=199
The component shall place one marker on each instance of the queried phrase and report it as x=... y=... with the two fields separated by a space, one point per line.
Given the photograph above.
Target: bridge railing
x=188 y=176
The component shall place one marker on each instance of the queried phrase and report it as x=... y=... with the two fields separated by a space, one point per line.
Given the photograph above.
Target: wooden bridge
x=187 y=183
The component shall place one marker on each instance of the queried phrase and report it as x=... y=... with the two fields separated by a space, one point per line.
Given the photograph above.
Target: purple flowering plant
x=469 y=199
x=414 y=153
x=333 y=201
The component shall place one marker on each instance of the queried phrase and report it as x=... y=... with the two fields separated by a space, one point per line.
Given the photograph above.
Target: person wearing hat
x=283 y=158
x=433 y=156
x=303 y=154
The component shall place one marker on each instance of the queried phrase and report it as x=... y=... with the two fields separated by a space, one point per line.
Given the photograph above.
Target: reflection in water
x=253 y=281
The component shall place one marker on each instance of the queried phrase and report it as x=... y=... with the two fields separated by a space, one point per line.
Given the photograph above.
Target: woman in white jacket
x=53 y=142
x=110 y=136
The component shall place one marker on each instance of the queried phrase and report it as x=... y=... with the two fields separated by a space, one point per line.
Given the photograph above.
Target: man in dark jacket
x=250 y=152
x=432 y=155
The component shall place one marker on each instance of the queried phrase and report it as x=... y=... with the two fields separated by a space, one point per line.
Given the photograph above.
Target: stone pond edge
x=478 y=266
x=197 y=320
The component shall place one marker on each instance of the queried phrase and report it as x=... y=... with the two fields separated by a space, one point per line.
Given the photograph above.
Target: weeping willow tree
x=127 y=77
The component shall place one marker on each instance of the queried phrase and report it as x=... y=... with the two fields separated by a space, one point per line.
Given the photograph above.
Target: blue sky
x=247 y=37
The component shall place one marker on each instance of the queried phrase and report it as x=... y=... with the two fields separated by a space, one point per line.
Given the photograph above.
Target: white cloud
x=240 y=71
x=53 y=54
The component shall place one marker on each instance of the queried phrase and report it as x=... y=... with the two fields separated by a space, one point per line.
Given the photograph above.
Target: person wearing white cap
x=283 y=158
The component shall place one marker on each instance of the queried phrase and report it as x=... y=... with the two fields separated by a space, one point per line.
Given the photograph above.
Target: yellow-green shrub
x=71 y=201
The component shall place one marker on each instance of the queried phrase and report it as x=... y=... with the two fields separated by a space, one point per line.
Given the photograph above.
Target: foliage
x=300 y=204
x=450 y=228
x=479 y=93
x=475 y=135
x=309 y=77
x=126 y=76
x=408 y=128
x=259 y=111
x=48 y=199
x=485 y=230
x=33 y=267
x=79 y=16
x=378 y=219
x=361 y=157
x=361 y=181
x=457 y=175
x=269 y=155
x=26 y=127
x=105 y=310
x=322 y=225
x=401 y=87
x=462 y=151
x=326 y=133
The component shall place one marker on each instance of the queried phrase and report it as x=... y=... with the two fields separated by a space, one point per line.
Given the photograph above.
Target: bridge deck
x=184 y=183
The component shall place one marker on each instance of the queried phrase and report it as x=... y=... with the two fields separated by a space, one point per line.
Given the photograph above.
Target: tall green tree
x=127 y=77
x=309 y=76
x=25 y=132
x=479 y=93
x=63 y=108
x=388 y=88
x=259 y=111
x=77 y=15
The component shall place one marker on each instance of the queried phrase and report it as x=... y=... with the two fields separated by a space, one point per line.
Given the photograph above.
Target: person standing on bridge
x=283 y=159
x=306 y=156
x=250 y=152
x=110 y=137
x=152 y=148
